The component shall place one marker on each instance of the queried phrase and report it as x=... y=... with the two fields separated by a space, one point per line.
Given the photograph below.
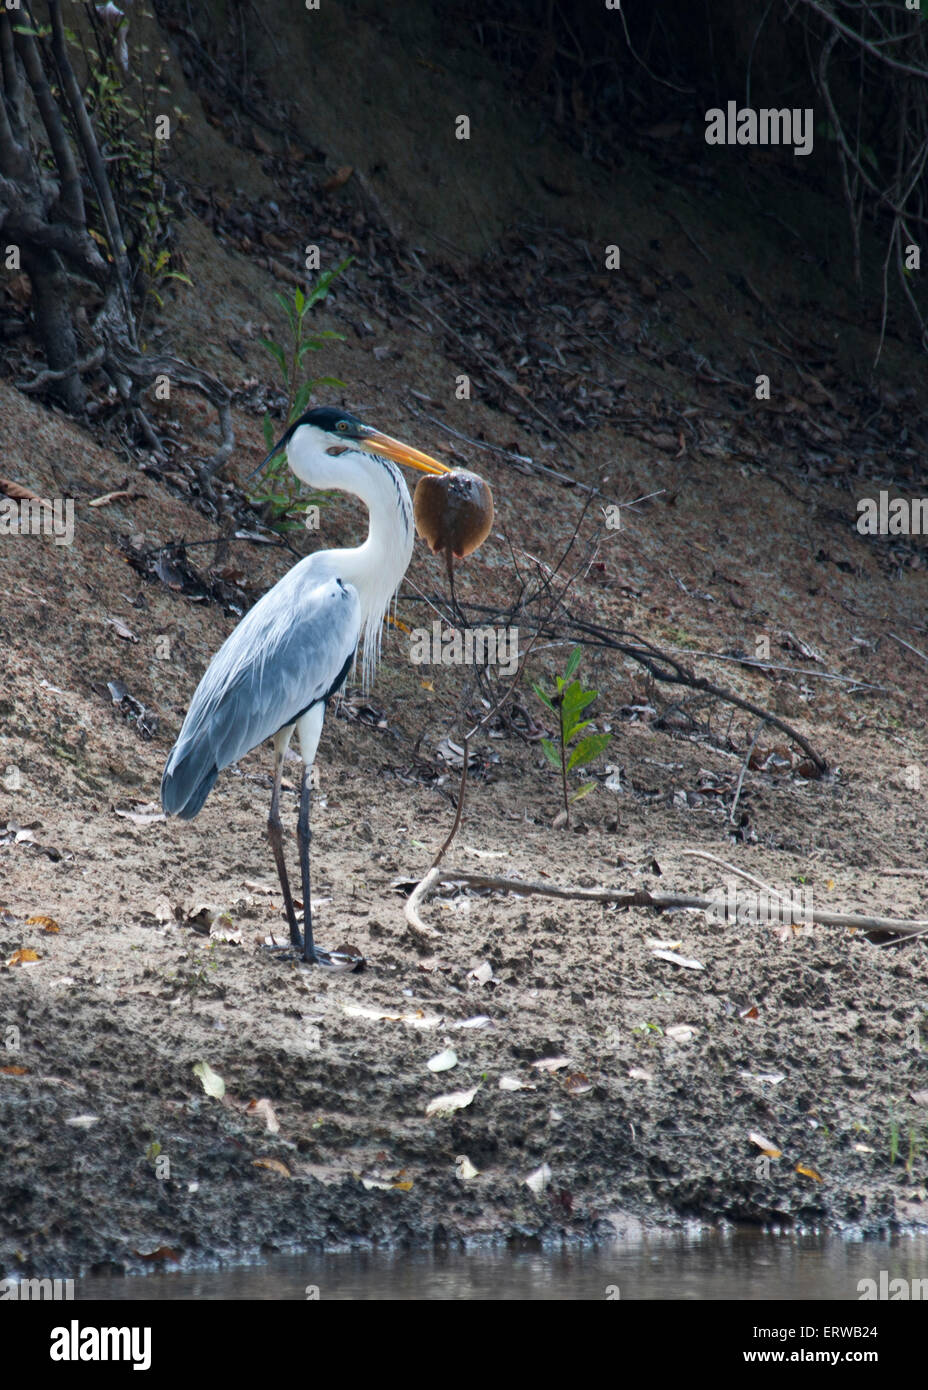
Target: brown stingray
x=454 y=513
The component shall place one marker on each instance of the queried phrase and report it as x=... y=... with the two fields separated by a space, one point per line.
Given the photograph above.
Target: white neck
x=375 y=568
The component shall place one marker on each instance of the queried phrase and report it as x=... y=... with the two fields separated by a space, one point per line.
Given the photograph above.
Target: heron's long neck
x=376 y=568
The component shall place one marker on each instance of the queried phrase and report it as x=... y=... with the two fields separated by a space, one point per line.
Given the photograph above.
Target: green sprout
x=280 y=487
x=567 y=702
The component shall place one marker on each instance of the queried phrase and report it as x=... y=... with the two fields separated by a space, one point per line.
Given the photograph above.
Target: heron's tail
x=188 y=780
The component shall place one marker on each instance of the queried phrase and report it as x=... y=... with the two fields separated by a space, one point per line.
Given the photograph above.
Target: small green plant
x=280 y=487
x=567 y=702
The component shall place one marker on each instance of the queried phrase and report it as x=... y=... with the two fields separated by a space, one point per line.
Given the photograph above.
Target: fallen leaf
x=418 y=1019
x=48 y=924
x=578 y=1083
x=213 y=1083
x=338 y=179
x=464 y=1169
x=512 y=1083
x=265 y=1108
x=272 y=1165
x=640 y=1074
x=83 y=1121
x=918 y=1097
x=680 y=1032
x=163 y=1252
x=483 y=974
x=750 y=1013
x=807 y=1172
x=443 y=1061
x=687 y=963
x=479 y=1021
x=14 y=1071
x=121 y=630
x=447 y=1105
x=24 y=956
x=140 y=817
x=539 y=1180
x=765 y=1145
x=551 y=1063
x=107 y=498
x=773 y=1078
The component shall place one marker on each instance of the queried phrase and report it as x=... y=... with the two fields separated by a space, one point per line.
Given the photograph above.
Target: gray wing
x=290 y=651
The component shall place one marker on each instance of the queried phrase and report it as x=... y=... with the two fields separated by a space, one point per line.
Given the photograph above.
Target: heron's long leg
x=304 y=834
x=275 y=835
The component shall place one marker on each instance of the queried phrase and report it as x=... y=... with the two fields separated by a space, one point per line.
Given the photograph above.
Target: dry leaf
x=808 y=1172
x=447 y=1105
x=107 y=498
x=140 y=817
x=121 y=630
x=539 y=1180
x=483 y=974
x=640 y=1074
x=24 y=956
x=578 y=1083
x=512 y=1083
x=765 y=1145
x=687 y=963
x=680 y=1032
x=213 y=1083
x=480 y=1021
x=443 y=1061
x=265 y=1108
x=551 y=1063
x=272 y=1165
x=14 y=1071
x=83 y=1121
x=418 y=1019
x=464 y=1169
x=48 y=924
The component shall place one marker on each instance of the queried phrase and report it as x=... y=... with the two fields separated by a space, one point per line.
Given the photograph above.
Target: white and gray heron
x=293 y=650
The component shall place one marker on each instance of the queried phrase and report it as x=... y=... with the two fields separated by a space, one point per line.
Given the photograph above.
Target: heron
x=292 y=652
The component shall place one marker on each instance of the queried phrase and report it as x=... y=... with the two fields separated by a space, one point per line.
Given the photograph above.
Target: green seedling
x=281 y=488
x=567 y=702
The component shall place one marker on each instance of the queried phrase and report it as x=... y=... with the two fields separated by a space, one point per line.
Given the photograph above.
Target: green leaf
x=543 y=697
x=588 y=749
x=300 y=401
x=268 y=432
x=551 y=753
x=299 y=301
x=582 y=791
x=326 y=381
x=573 y=662
x=576 y=698
x=276 y=352
x=575 y=729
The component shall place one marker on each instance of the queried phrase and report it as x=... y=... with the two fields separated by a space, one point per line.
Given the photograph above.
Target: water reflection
x=740 y=1265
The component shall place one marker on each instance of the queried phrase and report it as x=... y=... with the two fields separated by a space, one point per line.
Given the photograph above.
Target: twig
x=744 y=767
x=908 y=646
x=640 y=897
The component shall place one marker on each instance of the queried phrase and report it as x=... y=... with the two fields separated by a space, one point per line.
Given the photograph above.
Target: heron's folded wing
x=289 y=652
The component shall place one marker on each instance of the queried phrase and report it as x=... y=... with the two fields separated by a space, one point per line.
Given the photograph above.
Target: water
x=742 y=1265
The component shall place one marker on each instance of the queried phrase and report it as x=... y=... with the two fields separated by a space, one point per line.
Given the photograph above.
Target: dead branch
x=641 y=897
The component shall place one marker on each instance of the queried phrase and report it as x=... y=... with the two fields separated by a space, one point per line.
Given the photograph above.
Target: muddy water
x=742 y=1265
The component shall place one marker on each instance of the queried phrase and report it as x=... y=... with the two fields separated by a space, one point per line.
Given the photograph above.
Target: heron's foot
x=346 y=958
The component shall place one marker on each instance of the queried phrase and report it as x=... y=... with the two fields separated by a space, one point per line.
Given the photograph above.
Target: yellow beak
x=376 y=443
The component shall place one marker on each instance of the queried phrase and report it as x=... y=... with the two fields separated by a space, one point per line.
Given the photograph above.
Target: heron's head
x=325 y=446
